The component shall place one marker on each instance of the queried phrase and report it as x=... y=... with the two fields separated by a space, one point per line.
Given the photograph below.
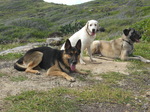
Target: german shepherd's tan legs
x=30 y=67
x=31 y=61
x=56 y=71
x=60 y=73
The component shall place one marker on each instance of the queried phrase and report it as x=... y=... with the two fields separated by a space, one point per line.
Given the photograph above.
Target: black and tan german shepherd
x=56 y=62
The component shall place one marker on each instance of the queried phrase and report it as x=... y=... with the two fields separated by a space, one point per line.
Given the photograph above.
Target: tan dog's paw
x=93 y=60
x=147 y=61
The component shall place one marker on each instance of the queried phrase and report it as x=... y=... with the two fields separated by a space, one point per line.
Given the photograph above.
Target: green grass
x=10 y=56
x=20 y=20
x=32 y=40
x=142 y=49
x=9 y=46
x=143 y=27
x=66 y=100
x=2 y=74
x=112 y=77
x=18 y=78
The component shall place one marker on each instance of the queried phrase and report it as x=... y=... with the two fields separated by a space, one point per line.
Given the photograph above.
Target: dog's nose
x=74 y=62
x=93 y=30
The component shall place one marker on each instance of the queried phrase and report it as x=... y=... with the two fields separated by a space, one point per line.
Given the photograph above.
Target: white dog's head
x=91 y=27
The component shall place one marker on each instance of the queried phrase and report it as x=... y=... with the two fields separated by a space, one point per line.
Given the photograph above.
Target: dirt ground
x=8 y=87
x=43 y=82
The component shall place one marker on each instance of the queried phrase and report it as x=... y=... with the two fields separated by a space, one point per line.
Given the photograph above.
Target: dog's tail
x=19 y=65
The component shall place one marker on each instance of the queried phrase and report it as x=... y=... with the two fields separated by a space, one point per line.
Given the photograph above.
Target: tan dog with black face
x=119 y=48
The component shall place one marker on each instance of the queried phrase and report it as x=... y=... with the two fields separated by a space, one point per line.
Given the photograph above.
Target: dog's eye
x=77 y=53
x=71 y=54
x=95 y=24
x=90 y=24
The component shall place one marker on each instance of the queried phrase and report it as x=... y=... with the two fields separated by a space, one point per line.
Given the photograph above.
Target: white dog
x=87 y=34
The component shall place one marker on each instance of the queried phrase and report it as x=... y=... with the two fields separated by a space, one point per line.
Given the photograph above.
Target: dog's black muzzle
x=93 y=30
x=72 y=62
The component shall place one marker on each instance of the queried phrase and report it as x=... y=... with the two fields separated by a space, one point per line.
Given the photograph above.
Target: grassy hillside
x=35 y=20
x=30 y=19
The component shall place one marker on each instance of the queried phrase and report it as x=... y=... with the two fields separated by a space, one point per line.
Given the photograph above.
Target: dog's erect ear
x=126 y=31
x=68 y=44
x=78 y=44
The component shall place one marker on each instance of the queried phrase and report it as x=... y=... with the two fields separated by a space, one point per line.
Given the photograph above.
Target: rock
x=55 y=34
x=21 y=49
x=54 y=41
x=148 y=94
x=128 y=105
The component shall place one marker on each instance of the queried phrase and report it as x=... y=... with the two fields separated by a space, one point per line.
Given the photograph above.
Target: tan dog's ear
x=126 y=32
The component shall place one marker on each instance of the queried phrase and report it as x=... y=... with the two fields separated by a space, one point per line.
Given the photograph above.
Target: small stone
x=128 y=105
x=148 y=94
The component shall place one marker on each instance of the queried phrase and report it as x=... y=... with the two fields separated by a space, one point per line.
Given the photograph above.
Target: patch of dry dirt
x=103 y=66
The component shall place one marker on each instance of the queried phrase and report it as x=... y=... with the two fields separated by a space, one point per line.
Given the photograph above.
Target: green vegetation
x=68 y=100
x=10 y=56
x=144 y=27
x=142 y=49
x=37 y=19
x=18 y=78
x=2 y=74
x=112 y=77
x=9 y=46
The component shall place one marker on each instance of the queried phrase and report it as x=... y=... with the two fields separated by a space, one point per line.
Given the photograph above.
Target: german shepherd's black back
x=48 y=60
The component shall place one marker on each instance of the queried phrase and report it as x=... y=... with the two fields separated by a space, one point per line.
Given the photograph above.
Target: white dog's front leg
x=81 y=58
x=90 y=54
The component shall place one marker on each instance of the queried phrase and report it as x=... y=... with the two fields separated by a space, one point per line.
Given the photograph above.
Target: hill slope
x=37 y=19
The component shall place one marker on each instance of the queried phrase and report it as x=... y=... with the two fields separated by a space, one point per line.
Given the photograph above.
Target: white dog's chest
x=86 y=42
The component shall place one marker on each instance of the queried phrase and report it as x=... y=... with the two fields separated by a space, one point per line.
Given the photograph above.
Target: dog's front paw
x=37 y=72
x=82 y=62
x=83 y=73
x=93 y=60
x=71 y=79
x=147 y=61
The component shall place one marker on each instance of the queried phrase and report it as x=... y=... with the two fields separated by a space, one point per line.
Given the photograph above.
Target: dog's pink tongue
x=93 y=34
x=137 y=40
x=73 y=67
